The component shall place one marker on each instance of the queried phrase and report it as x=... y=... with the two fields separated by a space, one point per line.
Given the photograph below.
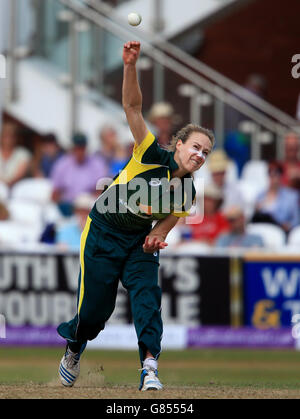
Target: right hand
x=131 y=52
x=153 y=243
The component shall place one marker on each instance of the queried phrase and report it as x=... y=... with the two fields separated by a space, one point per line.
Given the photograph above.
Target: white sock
x=150 y=363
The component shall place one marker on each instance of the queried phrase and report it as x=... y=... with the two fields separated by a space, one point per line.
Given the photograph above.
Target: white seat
x=4 y=192
x=249 y=193
x=256 y=173
x=192 y=248
x=294 y=237
x=173 y=237
x=26 y=212
x=273 y=236
x=14 y=233
x=52 y=214
x=232 y=172
x=34 y=189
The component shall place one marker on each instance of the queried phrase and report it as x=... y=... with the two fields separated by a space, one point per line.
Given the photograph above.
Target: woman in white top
x=14 y=160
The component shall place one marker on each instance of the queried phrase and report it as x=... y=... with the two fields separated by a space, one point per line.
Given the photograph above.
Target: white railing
x=198 y=66
x=264 y=116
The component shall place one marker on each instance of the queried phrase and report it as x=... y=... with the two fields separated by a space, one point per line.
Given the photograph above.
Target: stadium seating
x=4 y=192
x=272 y=235
x=249 y=194
x=192 y=248
x=34 y=189
x=173 y=238
x=28 y=213
x=232 y=172
x=255 y=172
x=16 y=234
x=52 y=214
x=294 y=237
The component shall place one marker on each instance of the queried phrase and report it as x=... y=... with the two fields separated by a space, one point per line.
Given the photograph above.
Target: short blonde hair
x=184 y=133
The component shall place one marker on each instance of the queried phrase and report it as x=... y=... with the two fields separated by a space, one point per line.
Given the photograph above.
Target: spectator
x=219 y=167
x=50 y=153
x=68 y=235
x=14 y=160
x=291 y=162
x=256 y=84
x=237 y=235
x=112 y=153
x=75 y=173
x=161 y=115
x=278 y=204
x=213 y=223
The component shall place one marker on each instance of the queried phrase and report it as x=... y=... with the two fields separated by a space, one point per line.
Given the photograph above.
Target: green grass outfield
x=258 y=369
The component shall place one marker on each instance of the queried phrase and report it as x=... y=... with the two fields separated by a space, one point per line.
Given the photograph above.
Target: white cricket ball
x=134 y=19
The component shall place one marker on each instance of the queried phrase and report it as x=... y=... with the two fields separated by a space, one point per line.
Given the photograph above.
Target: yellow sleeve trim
x=180 y=214
x=140 y=149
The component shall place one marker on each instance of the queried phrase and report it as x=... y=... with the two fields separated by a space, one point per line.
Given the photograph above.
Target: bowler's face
x=193 y=153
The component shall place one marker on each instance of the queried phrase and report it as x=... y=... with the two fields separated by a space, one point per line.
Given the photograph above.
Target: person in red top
x=214 y=223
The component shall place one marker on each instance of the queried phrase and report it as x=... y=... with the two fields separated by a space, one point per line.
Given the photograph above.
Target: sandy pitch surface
x=56 y=391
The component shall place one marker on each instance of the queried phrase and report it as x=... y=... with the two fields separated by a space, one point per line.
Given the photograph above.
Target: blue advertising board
x=271 y=292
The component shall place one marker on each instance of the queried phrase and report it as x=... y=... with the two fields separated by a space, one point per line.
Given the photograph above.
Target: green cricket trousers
x=108 y=255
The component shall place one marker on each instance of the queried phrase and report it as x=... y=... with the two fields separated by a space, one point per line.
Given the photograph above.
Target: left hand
x=154 y=243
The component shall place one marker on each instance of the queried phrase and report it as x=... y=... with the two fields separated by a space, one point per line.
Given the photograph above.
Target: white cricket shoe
x=150 y=380
x=69 y=368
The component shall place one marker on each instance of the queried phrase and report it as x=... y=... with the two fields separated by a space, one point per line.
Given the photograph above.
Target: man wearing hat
x=75 y=173
x=219 y=167
x=161 y=115
x=237 y=235
x=50 y=152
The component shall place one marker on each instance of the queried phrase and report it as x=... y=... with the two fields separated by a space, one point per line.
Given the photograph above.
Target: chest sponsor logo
x=155 y=182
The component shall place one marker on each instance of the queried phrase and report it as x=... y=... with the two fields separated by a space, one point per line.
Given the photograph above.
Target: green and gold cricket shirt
x=144 y=190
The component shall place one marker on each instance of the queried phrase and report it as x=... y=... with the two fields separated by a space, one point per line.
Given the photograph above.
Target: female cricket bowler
x=119 y=242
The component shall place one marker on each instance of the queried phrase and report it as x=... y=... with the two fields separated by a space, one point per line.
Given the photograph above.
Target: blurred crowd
x=46 y=195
